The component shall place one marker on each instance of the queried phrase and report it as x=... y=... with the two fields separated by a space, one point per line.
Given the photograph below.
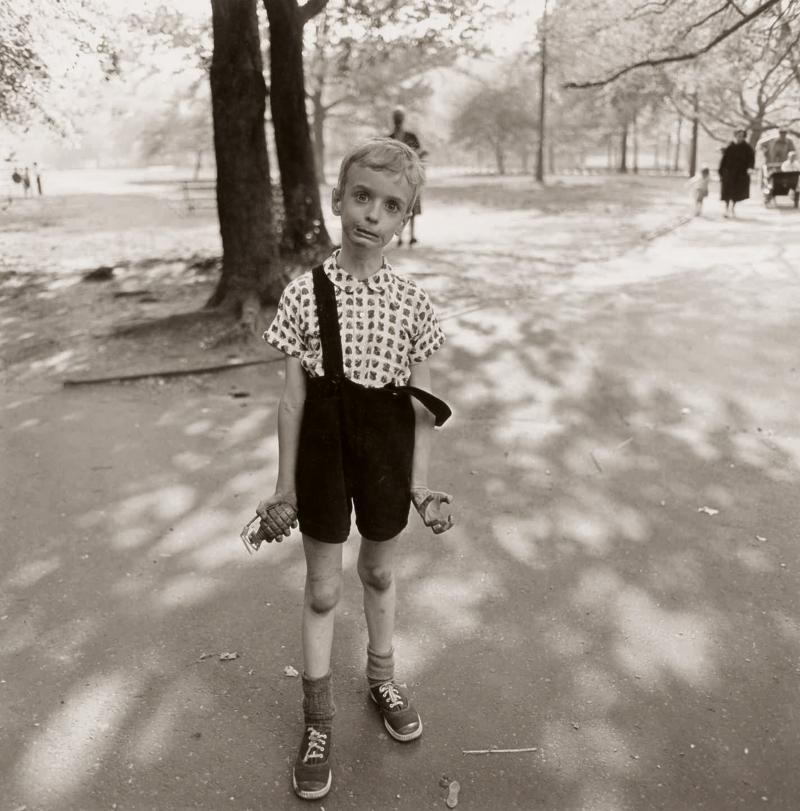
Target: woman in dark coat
x=734 y=172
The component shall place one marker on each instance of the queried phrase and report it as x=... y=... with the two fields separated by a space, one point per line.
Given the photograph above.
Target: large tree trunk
x=238 y=99
x=304 y=227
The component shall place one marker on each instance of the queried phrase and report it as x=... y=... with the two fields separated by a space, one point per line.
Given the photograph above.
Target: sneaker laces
x=316 y=745
x=391 y=695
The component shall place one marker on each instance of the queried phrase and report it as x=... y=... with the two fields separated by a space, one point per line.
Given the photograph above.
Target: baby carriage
x=775 y=183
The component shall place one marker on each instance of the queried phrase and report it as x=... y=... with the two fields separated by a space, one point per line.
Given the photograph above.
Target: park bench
x=198 y=195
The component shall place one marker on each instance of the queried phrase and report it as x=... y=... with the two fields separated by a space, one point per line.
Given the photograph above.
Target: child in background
x=354 y=431
x=699 y=186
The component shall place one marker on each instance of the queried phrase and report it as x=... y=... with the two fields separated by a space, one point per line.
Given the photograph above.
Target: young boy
x=354 y=429
x=699 y=186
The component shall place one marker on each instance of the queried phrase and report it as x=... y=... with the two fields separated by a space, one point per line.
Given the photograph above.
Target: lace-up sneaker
x=401 y=720
x=311 y=776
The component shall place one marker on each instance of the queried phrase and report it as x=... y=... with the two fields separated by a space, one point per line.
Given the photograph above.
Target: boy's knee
x=323 y=595
x=376 y=577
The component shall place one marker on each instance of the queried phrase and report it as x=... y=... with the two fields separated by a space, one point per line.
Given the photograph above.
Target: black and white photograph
x=399 y=405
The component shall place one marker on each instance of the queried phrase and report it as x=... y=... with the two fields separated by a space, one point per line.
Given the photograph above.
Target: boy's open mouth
x=365 y=232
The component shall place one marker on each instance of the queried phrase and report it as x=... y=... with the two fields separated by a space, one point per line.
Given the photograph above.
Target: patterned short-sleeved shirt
x=387 y=323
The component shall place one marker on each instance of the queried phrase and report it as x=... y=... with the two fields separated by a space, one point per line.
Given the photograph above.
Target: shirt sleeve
x=285 y=332
x=428 y=335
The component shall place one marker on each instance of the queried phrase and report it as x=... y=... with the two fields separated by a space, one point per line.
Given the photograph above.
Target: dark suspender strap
x=439 y=408
x=331 y=340
x=328 y=318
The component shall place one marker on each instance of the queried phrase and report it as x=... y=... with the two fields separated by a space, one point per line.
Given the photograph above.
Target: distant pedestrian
x=26 y=181
x=16 y=176
x=399 y=133
x=38 y=177
x=355 y=424
x=699 y=186
x=777 y=149
x=738 y=159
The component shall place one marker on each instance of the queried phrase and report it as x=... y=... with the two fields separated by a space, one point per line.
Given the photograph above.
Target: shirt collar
x=381 y=281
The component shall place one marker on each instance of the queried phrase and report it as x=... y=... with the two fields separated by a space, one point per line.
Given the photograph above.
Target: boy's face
x=373 y=206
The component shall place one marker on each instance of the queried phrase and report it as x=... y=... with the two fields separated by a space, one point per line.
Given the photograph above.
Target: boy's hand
x=275 y=519
x=431 y=506
x=278 y=515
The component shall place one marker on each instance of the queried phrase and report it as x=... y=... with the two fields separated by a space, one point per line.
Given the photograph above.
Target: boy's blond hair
x=385 y=155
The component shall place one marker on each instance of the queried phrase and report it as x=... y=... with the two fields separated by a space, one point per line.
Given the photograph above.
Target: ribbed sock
x=380 y=666
x=318 y=706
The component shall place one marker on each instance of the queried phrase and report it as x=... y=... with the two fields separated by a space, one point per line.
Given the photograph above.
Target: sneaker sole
x=312 y=795
x=411 y=736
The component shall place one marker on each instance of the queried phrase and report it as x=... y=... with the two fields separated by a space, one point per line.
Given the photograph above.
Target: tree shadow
x=582 y=605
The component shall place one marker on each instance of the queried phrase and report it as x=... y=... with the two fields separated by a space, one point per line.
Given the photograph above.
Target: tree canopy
x=615 y=37
x=47 y=48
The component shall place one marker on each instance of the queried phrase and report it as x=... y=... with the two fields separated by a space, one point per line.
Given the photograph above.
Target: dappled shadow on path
x=582 y=605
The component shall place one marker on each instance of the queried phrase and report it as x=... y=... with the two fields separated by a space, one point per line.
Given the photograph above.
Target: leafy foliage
x=752 y=80
x=499 y=115
x=47 y=49
x=365 y=59
x=618 y=36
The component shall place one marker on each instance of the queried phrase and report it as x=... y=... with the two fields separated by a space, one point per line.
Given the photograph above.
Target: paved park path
x=621 y=594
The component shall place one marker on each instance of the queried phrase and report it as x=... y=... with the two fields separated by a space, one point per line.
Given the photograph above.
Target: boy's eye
x=392 y=206
x=361 y=196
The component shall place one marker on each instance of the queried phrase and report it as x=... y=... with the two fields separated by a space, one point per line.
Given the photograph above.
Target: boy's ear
x=336 y=201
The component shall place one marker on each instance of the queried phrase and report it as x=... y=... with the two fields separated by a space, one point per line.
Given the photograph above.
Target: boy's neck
x=360 y=264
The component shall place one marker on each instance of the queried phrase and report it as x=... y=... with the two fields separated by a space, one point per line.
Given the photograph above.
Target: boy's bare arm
x=283 y=516
x=432 y=505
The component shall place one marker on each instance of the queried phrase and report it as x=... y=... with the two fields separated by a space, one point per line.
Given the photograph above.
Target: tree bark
x=318 y=121
x=676 y=165
x=500 y=158
x=304 y=227
x=623 y=150
x=238 y=99
x=539 y=175
x=695 y=133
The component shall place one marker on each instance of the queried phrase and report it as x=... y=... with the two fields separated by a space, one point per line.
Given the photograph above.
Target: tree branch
x=685 y=57
x=724 y=7
x=310 y=9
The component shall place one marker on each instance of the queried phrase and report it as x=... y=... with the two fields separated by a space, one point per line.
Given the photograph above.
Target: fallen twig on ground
x=498 y=751
x=195 y=370
x=662 y=230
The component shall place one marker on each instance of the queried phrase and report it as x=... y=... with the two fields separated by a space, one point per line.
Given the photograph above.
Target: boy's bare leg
x=311 y=774
x=376 y=570
x=323 y=589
